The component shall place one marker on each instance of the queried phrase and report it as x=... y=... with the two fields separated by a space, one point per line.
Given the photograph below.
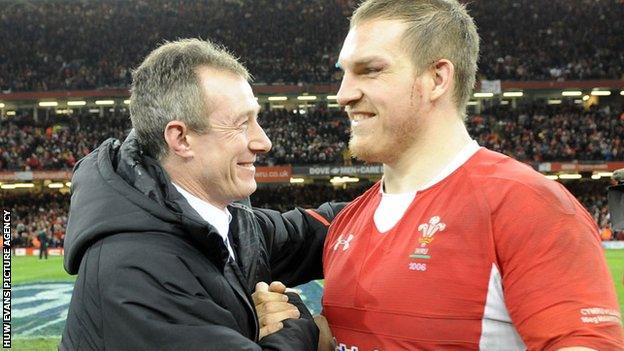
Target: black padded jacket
x=153 y=275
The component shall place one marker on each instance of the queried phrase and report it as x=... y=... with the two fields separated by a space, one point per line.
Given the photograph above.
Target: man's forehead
x=374 y=40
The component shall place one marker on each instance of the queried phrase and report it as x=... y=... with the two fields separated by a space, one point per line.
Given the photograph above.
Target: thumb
x=262 y=286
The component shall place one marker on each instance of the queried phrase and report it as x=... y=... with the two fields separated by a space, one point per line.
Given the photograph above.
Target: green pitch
x=615 y=260
x=32 y=270
x=29 y=269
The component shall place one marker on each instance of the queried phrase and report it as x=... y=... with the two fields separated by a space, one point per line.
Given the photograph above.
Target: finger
x=277 y=287
x=274 y=306
x=272 y=318
x=270 y=329
x=262 y=286
x=265 y=296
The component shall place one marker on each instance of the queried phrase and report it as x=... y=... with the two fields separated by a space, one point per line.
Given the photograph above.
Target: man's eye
x=370 y=70
x=244 y=126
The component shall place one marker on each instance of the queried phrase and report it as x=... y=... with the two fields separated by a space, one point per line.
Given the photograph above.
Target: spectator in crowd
x=52 y=45
x=42 y=237
x=535 y=132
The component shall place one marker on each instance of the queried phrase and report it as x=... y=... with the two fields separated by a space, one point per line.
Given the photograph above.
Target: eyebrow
x=245 y=114
x=366 y=60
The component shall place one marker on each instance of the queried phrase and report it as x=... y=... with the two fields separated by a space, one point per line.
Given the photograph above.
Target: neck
x=430 y=153
x=180 y=174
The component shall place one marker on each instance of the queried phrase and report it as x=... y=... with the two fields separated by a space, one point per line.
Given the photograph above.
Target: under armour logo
x=343 y=242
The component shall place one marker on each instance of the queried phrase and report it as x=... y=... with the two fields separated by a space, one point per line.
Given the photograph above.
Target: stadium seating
x=65 y=45
x=535 y=133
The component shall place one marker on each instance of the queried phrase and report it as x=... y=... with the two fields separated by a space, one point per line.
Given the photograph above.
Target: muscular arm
x=556 y=282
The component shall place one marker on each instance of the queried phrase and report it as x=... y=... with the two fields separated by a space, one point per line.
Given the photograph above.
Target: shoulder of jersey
x=505 y=176
x=360 y=201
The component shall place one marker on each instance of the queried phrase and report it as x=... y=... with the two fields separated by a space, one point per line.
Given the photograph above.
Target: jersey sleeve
x=556 y=282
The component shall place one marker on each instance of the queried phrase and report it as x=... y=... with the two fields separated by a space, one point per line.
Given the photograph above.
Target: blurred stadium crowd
x=535 y=133
x=47 y=211
x=61 y=45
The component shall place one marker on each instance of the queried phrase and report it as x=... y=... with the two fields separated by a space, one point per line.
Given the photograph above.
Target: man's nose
x=259 y=142
x=348 y=92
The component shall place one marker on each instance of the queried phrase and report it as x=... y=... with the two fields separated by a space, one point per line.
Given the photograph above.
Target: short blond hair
x=437 y=29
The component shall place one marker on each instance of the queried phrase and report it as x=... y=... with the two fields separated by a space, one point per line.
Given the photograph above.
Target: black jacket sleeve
x=303 y=328
x=295 y=241
x=154 y=299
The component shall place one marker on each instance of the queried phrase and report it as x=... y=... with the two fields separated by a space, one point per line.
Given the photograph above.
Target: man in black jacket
x=166 y=259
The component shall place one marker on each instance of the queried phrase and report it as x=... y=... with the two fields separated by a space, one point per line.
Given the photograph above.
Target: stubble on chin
x=370 y=153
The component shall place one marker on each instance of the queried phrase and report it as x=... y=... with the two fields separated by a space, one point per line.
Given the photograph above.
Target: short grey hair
x=437 y=29
x=166 y=87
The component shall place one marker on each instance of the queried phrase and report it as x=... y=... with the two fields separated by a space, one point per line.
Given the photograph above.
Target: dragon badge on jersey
x=427 y=230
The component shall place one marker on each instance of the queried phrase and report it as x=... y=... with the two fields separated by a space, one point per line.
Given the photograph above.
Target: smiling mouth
x=248 y=165
x=358 y=117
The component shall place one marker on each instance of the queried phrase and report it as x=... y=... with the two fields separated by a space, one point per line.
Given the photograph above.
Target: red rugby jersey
x=495 y=256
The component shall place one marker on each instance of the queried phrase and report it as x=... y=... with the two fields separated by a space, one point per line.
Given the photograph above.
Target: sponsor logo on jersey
x=428 y=230
x=344 y=242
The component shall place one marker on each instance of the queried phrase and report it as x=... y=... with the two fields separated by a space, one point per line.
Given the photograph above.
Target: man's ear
x=442 y=75
x=176 y=138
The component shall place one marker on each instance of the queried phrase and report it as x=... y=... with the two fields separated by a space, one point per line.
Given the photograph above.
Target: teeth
x=355 y=118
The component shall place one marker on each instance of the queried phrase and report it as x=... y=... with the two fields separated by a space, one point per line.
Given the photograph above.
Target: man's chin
x=362 y=152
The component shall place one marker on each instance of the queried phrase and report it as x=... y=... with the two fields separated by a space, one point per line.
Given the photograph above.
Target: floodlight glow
x=483 y=95
x=48 y=104
x=513 y=94
x=278 y=98
x=601 y=92
x=17 y=185
x=342 y=180
x=76 y=103
x=306 y=97
x=570 y=176
x=572 y=93
x=104 y=102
